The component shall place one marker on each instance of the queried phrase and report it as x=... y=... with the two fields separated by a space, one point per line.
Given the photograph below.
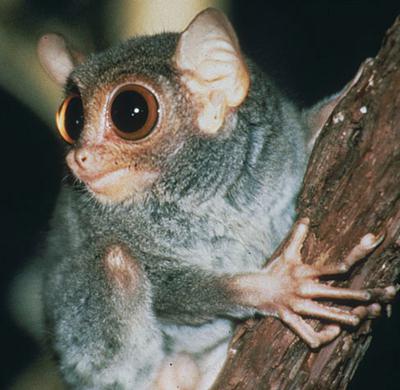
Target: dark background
x=312 y=48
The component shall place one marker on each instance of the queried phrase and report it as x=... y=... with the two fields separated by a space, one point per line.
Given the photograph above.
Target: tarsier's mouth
x=103 y=180
x=116 y=185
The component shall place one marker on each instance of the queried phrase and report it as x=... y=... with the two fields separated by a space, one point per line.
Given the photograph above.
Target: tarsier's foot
x=286 y=288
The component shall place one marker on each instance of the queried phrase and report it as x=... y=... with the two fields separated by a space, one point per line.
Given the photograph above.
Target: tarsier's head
x=130 y=110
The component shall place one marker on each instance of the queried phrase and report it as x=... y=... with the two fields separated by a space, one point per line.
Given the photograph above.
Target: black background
x=312 y=48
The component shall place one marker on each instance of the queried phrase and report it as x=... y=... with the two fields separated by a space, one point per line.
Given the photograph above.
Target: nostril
x=82 y=157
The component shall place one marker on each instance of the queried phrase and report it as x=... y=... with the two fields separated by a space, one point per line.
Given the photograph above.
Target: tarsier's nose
x=82 y=157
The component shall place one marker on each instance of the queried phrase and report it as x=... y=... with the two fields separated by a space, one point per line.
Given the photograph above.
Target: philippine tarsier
x=186 y=161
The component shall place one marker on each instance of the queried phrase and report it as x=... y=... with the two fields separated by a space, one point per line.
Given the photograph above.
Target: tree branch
x=351 y=188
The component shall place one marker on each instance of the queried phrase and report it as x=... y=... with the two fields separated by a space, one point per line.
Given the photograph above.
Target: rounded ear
x=56 y=58
x=211 y=65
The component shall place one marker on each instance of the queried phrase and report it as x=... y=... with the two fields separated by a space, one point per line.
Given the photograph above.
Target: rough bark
x=352 y=187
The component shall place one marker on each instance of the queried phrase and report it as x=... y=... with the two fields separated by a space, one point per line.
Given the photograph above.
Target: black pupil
x=129 y=111
x=74 y=118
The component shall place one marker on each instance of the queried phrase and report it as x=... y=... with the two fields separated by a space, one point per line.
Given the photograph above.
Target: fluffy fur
x=219 y=207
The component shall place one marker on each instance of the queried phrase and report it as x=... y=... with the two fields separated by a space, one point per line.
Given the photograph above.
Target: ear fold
x=56 y=58
x=208 y=57
x=316 y=117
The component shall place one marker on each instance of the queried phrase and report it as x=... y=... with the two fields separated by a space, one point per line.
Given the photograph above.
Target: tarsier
x=186 y=162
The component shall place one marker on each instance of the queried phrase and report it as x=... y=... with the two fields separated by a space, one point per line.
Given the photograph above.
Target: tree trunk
x=351 y=188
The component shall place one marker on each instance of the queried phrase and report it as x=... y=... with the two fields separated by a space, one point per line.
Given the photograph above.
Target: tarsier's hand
x=287 y=288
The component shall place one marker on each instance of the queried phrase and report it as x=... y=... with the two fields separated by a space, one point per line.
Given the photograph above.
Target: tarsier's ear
x=56 y=58
x=316 y=117
x=208 y=57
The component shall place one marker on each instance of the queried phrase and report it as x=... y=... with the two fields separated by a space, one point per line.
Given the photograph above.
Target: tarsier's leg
x=104 y=330
x=286 y=289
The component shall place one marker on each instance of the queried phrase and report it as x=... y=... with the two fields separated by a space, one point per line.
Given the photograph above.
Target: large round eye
x=134 y=112
x=69 y=118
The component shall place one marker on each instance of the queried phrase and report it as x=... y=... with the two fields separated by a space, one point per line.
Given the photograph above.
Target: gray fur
x=221 y=206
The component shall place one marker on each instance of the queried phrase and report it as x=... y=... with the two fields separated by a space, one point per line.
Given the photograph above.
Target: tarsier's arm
x=106 y=316
x=285 y=288
x=101 y=303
